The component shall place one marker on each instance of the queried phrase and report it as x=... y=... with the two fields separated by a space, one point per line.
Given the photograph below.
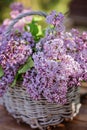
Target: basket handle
x=9 y=28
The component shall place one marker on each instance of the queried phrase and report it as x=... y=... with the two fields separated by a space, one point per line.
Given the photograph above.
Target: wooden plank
x=8 y=123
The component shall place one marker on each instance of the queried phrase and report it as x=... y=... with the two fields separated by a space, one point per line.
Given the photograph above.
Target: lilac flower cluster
x=55 y=69
x=76 y=46
x=51 y=76
x=13 y=54
x=17 y=6
x=56 y=19
x=16 y=9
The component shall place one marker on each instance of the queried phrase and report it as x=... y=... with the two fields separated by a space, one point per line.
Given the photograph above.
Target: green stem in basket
x=15 y=80
x=28 y=65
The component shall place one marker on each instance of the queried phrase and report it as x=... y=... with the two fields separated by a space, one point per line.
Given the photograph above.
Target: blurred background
x=76 y=9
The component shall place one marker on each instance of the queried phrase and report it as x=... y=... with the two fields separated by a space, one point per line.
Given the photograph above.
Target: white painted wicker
x=1 y=100
x=39 y=114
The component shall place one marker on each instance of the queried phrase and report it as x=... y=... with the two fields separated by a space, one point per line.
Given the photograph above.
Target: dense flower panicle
x=28 y=38
x=56 y=19
x=39 y=85
x=48 y=37
x=56 y=67
x=25 y=37
x=16 y=47
x=76 y=46
x=54 y=48
x=17 y=6
x=52 y=73
x=50 y=18
x=14 y=52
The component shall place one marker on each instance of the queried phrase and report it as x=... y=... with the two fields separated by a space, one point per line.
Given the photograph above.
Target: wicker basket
x=39 y=114
x=1 y=101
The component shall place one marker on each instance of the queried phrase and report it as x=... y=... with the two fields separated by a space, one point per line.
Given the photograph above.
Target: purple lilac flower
x=76 y=46
x=55 y=65
x=14 y=52
x=54 y=48
x=17 y=6
x=28 y=38
x=51 y=76
x=59 y=63
x=56 y=20
x=15 y=48
x=50 y=18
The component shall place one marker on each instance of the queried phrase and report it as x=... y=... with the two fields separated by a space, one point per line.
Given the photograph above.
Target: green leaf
x=39 y=30
x=33 y=28
x=1 y=72
x=29 y=64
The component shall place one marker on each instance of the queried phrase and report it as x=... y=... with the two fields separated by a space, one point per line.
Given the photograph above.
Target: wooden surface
x=79 y=122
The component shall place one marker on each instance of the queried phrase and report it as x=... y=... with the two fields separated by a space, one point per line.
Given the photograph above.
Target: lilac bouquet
x=47 y=65
x=15 y=49
x=55 y=69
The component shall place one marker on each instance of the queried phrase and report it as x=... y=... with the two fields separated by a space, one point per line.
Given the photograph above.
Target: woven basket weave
x=39 y=114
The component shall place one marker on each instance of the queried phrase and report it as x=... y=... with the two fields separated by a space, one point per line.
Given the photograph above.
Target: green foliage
x=1 y=72
x=35 y=28
x=28 y=65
